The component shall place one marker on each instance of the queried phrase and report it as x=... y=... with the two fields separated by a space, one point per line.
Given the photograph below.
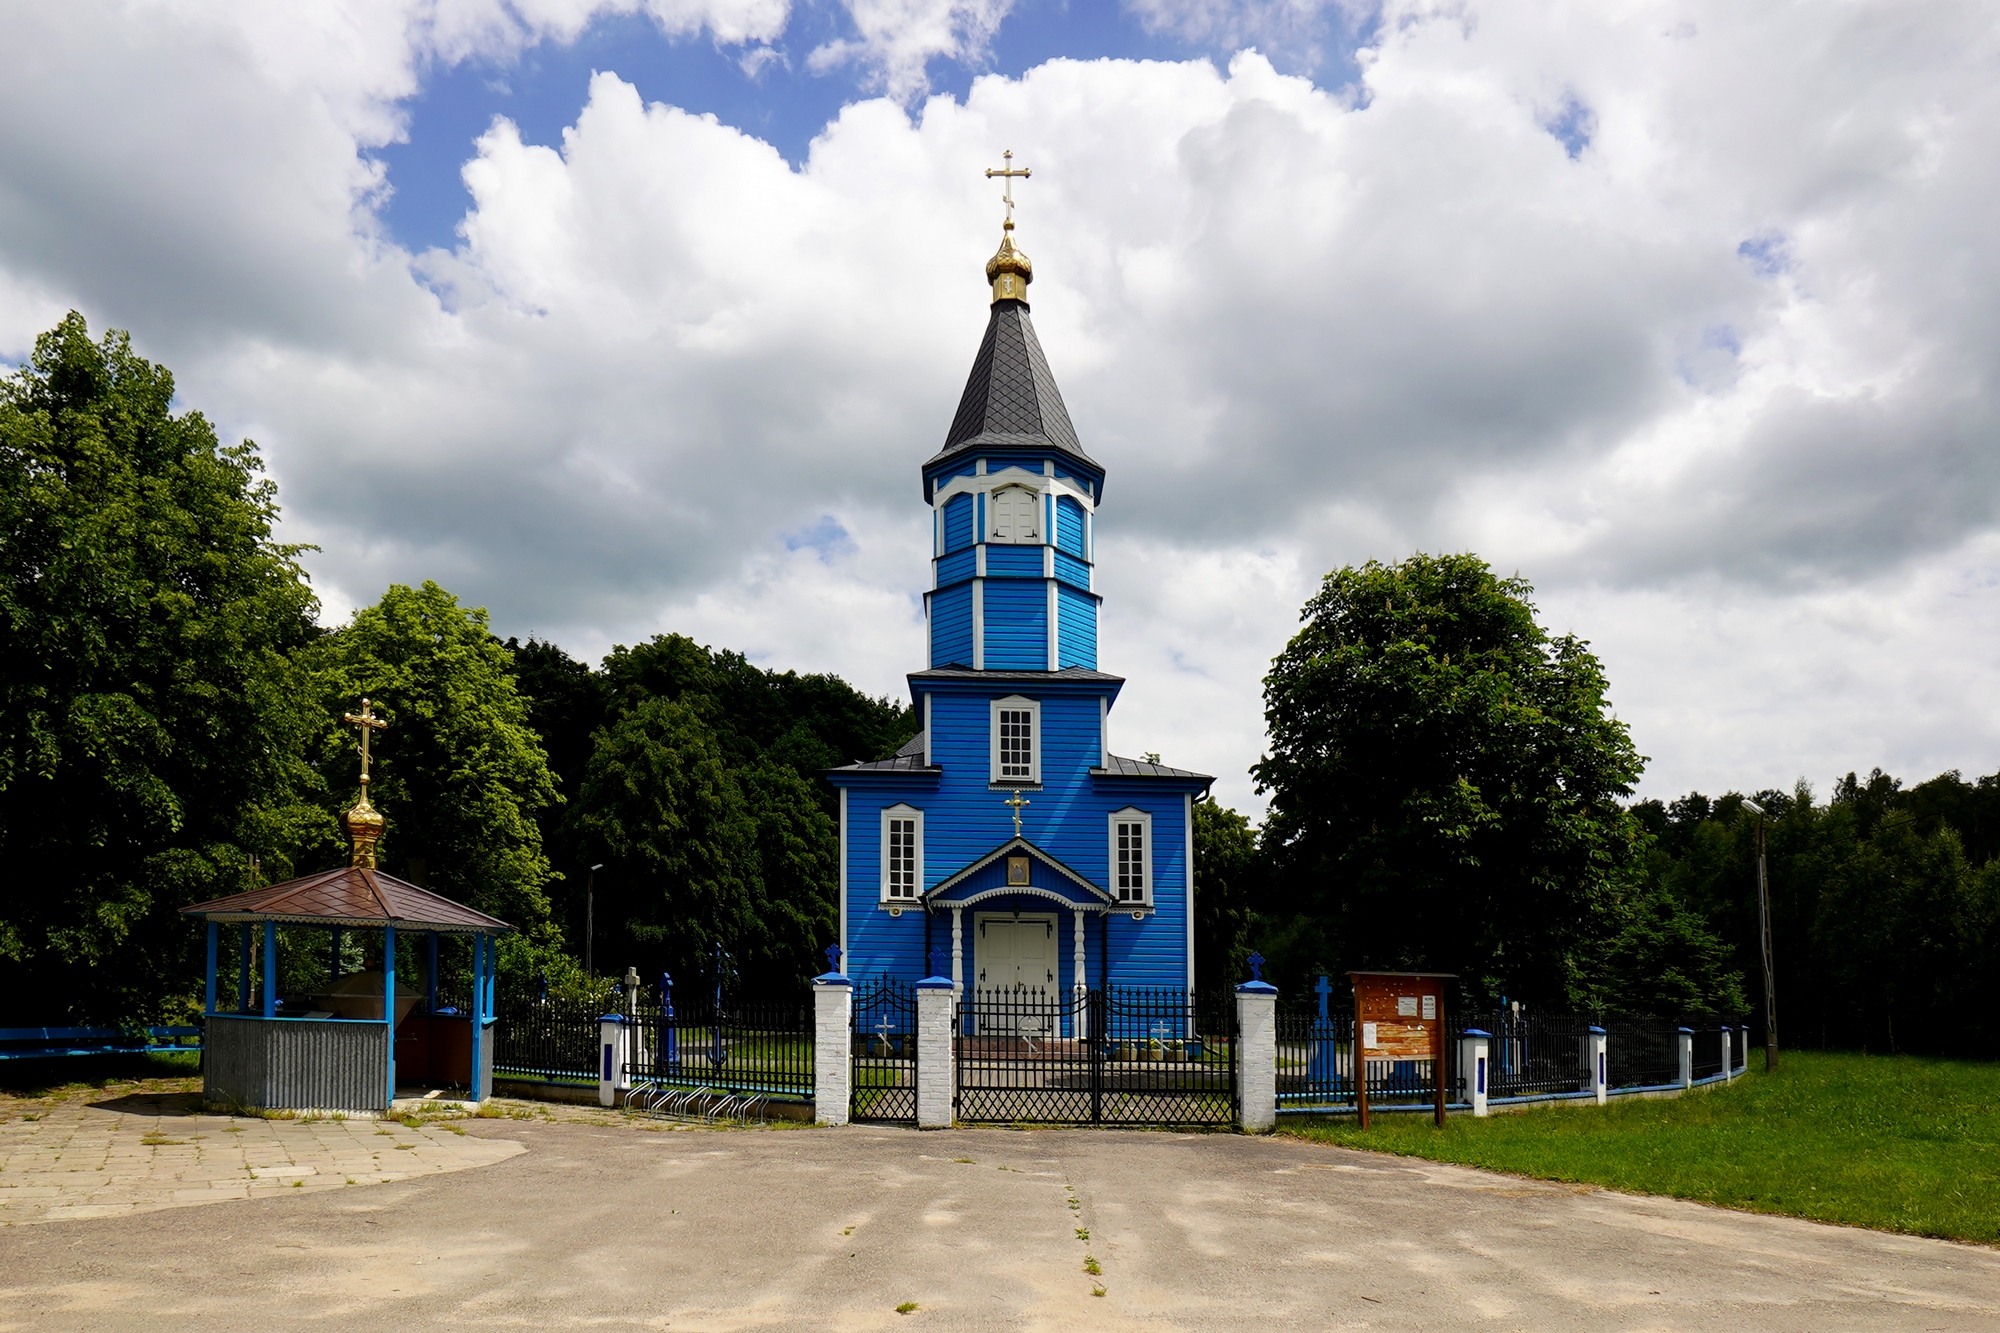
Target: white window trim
x=1036 y=496
x=1131 y=814
x=902 y=812
x=1014 y=701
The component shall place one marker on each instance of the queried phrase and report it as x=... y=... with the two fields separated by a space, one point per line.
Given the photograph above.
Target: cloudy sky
x=638 y=315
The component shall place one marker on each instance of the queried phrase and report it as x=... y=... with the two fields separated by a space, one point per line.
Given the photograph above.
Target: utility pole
x=1764 y=930
x=590 y=918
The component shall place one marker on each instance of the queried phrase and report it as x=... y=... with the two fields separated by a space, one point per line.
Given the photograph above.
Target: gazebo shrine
x=343 y=1046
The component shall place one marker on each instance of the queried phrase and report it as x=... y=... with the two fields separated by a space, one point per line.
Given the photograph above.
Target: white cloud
x=1686 y=311
x=897 y=39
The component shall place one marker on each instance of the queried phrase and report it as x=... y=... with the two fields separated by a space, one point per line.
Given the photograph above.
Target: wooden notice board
x=1399 y=1016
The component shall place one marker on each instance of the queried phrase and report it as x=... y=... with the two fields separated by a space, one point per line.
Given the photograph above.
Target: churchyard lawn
x=1899 y=1143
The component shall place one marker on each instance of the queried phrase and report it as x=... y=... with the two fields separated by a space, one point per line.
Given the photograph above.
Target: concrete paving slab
x=622 y=1225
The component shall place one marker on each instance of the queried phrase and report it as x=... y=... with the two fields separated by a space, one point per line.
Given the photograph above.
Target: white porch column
x=1257 y=1056
x=613 y=1039
x=936 y=1070
x=957 y=951
x=1081 y=986
x=1595 y=1071
x=1473 y=1052
x=1687 y=1057
x=833 y=1049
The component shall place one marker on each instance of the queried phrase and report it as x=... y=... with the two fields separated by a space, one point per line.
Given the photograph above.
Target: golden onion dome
x=1009 y=270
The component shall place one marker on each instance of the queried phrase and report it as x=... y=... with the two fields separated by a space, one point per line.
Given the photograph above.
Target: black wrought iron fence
x=1531 y=1054
x=550 y=1040
x=1315 y=1060
x=1122 y=1055
x=1642 y=1052
x=759 y=1048
x=1707 y=1048
x=883 y=1036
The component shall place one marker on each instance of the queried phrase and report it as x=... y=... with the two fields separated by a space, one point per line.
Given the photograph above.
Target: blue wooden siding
x=951 y=626
x=1020 y=562
x=958 y=530
x=1069 y=526
x=1068 y=817
x=957 y=567
x=966 y=468
x=1071 y=570
x=1016 y=621
x=1076 y=628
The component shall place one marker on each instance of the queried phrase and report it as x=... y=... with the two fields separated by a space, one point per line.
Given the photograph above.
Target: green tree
x=1228 y=867
x=151 y=721
x=459 y=773
x=1445 y=780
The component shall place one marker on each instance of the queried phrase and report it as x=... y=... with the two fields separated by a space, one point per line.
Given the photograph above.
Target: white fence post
x=614 y=1047
x=1728 y=1057
x=1257 y=1056
x=936 y=1070
x=1687 y=1058
x=833 y=1048
x=1594 y=1064
x=1473 y=1053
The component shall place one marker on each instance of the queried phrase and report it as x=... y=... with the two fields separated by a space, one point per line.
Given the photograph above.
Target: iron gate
x=883 y=1032
x=1118 y=1056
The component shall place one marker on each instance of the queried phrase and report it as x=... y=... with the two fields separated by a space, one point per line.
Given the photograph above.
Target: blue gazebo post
x=208 y=1001
x=243 y=970
x=478 y=1019
x=389 y=1001
x=270 y=969
x=431 y=977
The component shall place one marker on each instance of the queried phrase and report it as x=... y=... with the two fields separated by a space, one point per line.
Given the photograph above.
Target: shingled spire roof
x=1011 y=399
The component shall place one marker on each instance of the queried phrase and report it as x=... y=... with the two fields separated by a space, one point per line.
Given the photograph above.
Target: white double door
x=1015 y=961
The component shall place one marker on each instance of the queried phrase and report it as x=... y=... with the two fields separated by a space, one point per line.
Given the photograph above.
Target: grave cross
x=1323 y=990
x=1007 y=173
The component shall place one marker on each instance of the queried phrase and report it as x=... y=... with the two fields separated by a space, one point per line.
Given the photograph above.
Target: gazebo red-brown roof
x=351 y=896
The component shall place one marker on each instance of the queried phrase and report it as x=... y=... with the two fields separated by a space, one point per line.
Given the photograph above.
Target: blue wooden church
x=1007 y=835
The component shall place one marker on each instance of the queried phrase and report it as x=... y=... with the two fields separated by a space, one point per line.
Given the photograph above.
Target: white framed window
x=902 y=854
x=1017 y=740
x=1131 y=856
x=1014 y=514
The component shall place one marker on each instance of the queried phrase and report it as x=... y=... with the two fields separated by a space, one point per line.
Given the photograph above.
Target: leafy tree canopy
x=1445 y=780
x=460 y=773
x=150 y=720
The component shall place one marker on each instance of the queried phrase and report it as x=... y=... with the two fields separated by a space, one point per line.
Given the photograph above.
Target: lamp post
x=590 y=918
x=1764 y=930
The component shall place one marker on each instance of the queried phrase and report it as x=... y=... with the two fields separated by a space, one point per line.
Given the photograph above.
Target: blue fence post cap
x=1689 y=1031
x=831 y=979
x=934 y=983
x=1477 y=1032
x=1256 y=988
x=611 y=1018
x=1596 y=1030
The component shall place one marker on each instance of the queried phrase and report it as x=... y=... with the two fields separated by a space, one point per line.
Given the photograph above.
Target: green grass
x=1898 y=1143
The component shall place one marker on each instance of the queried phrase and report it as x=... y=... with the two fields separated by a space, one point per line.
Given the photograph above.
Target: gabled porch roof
x=1061 y=884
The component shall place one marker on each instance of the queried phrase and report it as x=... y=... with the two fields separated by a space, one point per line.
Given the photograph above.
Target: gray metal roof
x=1121 y=767
x=909 y=759
x=1011 y=399
x=1080 y=674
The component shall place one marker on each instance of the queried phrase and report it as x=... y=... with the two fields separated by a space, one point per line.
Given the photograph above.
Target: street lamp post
x=1764 y=930
x=590 y=918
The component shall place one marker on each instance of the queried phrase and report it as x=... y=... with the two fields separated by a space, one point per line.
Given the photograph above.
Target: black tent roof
x=1011 y=399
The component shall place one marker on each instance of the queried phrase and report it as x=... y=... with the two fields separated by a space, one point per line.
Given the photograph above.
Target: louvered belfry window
x=1131 y=873
x=1017 y=743
x=1015 y=510
x=902 y=858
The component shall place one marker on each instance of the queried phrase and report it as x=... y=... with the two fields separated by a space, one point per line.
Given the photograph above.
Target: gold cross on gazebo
x=367 y=722
x=1007 y=173
x=1019 y=803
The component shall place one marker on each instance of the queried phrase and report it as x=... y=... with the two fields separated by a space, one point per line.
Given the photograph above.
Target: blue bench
x=45 y=1043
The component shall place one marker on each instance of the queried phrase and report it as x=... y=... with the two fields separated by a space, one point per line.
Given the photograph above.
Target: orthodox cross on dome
x=1019 y=803
x=1007 y=174
x=367 y=722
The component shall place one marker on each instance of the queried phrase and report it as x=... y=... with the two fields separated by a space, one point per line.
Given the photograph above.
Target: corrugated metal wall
x=295 y=1062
